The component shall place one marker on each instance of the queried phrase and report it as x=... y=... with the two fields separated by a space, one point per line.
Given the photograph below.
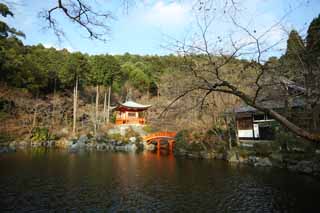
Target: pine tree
x=73 y=73
x=6 y=30
x=292 y=62
x=312 y=59
x=313 y=39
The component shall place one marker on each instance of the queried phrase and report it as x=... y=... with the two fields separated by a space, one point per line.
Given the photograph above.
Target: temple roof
x=131 y=106
x=272 y=104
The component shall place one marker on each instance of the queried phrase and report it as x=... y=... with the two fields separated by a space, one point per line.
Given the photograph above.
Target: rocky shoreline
x=83 y=142
x=290 y=161
x=310 y=166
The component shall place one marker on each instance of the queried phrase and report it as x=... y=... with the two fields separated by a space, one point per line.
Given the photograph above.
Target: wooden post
x=105 y=107
x=170 y=146
x=158 y=144
x=109 y=99
x=96 y=122
x=253 y=136
x=75 y=99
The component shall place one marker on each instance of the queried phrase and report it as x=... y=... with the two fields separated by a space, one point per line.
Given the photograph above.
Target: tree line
x=43 y=70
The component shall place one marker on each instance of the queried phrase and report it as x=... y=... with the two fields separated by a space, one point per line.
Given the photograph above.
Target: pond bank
x=83 y=142
x=301 y=162
x=296 y=160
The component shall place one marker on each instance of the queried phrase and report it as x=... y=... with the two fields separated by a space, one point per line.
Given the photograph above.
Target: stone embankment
x=83 y=142
x=309 y=165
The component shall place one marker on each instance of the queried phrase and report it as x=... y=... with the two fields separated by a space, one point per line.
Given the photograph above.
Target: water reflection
x=98 y=181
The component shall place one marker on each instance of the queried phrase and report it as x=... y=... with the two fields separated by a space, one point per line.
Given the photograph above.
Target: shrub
x=113 y=118
x=195 y=146
x=288 y=141
x=4 y=137
x=116 y=137
x=148 y=129
x=262 y=149
x=41 y=134
x=131 y=133
x=182 y=139
x=6 y=106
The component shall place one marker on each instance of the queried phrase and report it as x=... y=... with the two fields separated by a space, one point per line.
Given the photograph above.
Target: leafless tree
x=210 y=61
x=82 y=13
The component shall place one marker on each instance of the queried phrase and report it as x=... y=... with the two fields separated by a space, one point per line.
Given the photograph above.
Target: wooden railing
x=120 y=121
x=159 y=135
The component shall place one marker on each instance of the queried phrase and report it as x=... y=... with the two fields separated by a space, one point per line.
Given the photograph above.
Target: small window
x=244 y=123
x=269 y=117
x=131 y=114
x=259 y=117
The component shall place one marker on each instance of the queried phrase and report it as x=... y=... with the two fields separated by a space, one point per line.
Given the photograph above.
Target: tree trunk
x=158 y=92
x=229 y=133
x=293 y=128
x=315 y=137
x=105 y=106
x=96 y=111
x=109 y=98
x=53 y=104
x=75 y=99
x=34 y=120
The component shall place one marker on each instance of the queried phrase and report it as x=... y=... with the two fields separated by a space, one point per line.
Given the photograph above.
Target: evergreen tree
x=313 y=39
x=312 y=59
x=74 y=72
x=292 y=62
x=6 y=30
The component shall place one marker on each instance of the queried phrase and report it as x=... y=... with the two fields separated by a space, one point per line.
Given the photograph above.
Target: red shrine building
x=131 y=112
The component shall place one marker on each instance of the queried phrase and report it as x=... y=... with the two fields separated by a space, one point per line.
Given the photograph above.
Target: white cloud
x=49 y=45
x=168 y=14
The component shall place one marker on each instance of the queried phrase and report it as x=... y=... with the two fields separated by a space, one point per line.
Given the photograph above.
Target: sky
x=147 y=25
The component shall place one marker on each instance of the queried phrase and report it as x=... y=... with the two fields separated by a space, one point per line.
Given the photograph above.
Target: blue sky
x=147 y=25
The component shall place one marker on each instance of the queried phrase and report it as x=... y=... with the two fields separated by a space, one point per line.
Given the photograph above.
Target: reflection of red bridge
x=161 y=136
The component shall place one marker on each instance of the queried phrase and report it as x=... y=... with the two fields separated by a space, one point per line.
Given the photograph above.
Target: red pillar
x=158 y=144
x=171 y=144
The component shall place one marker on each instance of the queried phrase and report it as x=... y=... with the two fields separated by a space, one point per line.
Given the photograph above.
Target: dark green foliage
x=131 y=133
x=292 y=63
x=137 y=75
x=313 y=41
x=196 y=146
x=5 y=138
x=41 y=135
x=148 y=129
x=113 y=118
x=43 y=70
x=263 y=149
x=6 y=30
x=183 y=138
x=105 y=69
x=291 y=143
x=295 y=45
x=75 y=66
x=312 y=57
x=6 y=106
x=115 y=137
x=4 y=10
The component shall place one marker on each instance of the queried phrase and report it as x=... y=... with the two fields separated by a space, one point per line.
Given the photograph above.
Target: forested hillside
x=58 y=89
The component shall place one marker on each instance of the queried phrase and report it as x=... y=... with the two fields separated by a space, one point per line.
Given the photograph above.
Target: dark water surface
x=53 y=180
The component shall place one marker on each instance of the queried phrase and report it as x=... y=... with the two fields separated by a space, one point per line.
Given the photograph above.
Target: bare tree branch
x=95 y=23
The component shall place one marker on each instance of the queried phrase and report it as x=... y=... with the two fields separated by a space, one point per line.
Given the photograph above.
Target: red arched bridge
x=160 y=136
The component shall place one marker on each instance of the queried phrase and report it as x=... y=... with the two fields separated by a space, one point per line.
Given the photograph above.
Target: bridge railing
x=159 y=135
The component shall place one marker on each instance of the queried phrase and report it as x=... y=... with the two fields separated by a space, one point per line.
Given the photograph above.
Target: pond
x=42 y=180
